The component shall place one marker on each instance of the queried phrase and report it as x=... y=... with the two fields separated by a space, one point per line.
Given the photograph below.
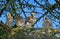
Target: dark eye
x=8 y=14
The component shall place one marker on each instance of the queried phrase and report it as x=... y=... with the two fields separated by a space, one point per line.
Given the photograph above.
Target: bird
x=19 y=20
x=30 y=20
x=47 y=23
x=9 y=20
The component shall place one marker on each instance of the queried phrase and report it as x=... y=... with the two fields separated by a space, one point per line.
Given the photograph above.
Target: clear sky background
x=39 y=23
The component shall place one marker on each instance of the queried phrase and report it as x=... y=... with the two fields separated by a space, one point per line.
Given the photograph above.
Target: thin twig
x=40 y=17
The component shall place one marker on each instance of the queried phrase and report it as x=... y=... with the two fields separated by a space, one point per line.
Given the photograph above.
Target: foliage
x=3 y=33
x=37 y=34
x=31 y=33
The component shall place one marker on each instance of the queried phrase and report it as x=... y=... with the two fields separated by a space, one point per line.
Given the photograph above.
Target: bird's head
x=33 y=15
x=8 y=14
x=17 y=13
x=46 y=18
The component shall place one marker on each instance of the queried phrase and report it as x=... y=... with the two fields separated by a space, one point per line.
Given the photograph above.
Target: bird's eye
x=8 y=14
x=32 y=13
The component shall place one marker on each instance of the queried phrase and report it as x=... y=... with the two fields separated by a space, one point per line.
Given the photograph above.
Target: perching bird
x=47 y=23
x=19 y=20
x=31 y=19
x=9 y=20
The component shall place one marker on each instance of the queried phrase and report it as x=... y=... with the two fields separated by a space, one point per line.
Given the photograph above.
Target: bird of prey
x=47 y=23
x=31 y=19
x=19 y=20
x=9 y=20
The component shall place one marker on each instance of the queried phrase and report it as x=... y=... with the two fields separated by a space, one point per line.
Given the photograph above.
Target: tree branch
x=57 y=12
x=23 y=11
x=4 y=26
x=30 y=5
x=40 y=4
x=8 y=1
x=54 y=15
x=40 y=18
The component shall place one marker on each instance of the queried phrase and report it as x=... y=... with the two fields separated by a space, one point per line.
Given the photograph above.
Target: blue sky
x=39 y=23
